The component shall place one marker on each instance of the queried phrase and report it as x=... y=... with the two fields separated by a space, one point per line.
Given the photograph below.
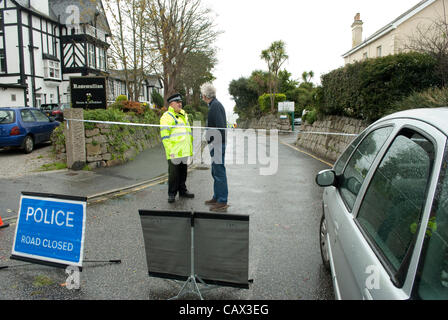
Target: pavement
x=148 y=166
x=284 y=211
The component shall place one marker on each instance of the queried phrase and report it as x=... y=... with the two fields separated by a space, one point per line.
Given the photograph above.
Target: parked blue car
x=24 y=127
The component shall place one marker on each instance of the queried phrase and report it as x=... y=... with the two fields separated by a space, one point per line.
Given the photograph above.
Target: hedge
x=367 y=90
x=264 y=101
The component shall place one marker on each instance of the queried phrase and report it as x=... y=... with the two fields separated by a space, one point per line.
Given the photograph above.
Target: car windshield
x=433 y=280
x=6 y=116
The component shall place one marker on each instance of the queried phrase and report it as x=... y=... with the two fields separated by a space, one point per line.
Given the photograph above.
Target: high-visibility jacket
x=176 y=134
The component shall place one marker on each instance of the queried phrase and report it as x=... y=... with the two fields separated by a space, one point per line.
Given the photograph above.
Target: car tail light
x=15 y=131
x=57 y=112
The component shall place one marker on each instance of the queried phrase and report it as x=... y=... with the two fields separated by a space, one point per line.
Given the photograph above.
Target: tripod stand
x=191 y=285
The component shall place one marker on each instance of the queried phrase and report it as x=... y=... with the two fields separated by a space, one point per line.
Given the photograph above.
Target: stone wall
x=106 y=146
x=101 y=145
x=267 y=122
x=329 y=147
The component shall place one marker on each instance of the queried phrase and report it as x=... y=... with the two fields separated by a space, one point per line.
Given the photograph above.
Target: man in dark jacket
x=216 y=139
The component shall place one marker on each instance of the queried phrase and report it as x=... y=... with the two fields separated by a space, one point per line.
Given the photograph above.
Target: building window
x=101 y=59
x=379 y=51
x=38 y=100
x=91 y=55
x=52 y=69
x=2 y=61
x=13 y=97
x=364 y=56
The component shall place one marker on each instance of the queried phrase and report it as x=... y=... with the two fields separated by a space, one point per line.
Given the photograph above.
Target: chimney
x=357 y=31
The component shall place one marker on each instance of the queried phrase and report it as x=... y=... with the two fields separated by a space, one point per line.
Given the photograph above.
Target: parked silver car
x=384 y=229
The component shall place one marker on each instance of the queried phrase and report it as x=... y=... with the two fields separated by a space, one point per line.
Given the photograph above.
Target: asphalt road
x=284 y=257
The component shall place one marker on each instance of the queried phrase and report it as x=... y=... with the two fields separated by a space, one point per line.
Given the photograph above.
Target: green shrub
x=150 y=116
x=119 y=134
x=58 y=137
x=110 y=114
x=115 y=105
x=121 y=98
x=188 y=109
x=157 y=99
x=367 y=90
x=264 y=101
x=310 y=116
x=429 y=98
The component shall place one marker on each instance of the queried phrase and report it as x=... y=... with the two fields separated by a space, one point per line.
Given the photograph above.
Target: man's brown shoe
x=211 y=202
x=219 y=207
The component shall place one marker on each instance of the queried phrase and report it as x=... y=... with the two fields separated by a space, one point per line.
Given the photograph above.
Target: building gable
x=90 y=12
x=391 y=26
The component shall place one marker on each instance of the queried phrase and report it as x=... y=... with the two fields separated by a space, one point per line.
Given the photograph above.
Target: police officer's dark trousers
x=177 y=176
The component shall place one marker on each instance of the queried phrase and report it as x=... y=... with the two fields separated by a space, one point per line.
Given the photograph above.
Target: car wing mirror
x=326 y=178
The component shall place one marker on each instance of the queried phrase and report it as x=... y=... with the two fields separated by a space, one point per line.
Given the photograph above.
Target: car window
x=340 y=163
x=40 y=116
x=27 y=116
x=391 y=210
x=359 y=164
x=433 y=282
x=6 y=116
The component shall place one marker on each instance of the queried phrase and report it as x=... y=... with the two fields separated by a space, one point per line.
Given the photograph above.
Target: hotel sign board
x=88 y=92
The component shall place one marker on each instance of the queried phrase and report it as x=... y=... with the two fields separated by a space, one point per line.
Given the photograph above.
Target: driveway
x=15 y=163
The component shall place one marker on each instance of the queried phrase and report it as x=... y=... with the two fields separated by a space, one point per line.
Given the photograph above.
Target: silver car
x=384 y=229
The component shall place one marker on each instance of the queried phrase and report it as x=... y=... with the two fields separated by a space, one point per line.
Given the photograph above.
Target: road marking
x=308 y=154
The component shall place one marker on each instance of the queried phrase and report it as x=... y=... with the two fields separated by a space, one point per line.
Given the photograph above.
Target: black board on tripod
x=222 y=249
x=167 y=243
x=221 y=246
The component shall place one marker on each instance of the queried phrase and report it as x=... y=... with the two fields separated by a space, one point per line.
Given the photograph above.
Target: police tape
x=206 y=128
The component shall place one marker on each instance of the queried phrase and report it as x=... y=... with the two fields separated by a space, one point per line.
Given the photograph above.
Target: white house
x=394 y=37
x=45 y=42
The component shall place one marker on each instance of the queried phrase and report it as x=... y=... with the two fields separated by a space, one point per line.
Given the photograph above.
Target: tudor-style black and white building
x=116 y=85
x=45 y=42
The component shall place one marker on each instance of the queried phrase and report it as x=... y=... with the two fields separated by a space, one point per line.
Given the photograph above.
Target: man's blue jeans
x=220 y=189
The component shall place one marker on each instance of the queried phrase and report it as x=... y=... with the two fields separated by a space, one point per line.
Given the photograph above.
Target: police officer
x=177 y=139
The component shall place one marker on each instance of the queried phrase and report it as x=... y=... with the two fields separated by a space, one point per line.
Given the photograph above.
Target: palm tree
x=307 y=76
x=275 y=56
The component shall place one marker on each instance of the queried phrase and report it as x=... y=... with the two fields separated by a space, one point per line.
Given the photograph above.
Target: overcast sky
x=316 y=34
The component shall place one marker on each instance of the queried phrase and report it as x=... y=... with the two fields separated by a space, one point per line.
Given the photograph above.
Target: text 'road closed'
x=50 y=230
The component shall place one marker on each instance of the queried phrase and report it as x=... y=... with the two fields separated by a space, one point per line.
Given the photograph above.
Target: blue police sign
x=50 y=228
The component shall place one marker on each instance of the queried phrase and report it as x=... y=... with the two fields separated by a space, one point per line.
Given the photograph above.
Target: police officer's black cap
x=175 y=97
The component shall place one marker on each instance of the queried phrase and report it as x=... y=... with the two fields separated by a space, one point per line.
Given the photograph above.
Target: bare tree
x=433 y=40
x=130 y=41
x=177 y=28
